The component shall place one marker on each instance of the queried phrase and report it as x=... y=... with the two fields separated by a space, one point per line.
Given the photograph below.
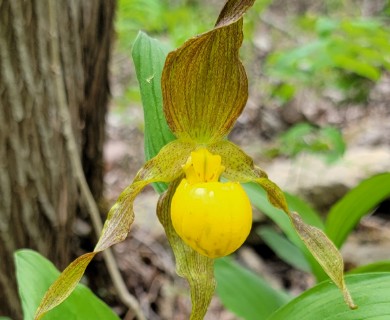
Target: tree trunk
x=53 y=88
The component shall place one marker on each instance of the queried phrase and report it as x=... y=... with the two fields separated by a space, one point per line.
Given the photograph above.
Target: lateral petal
x=239 y=167
x=165 y=167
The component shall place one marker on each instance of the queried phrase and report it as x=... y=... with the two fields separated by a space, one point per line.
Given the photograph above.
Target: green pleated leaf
x=149 y=56
x=35 y=274
x=379 y=266
x=361 y=200
x=196 y=268
x=245 y=293
x=204 y=84
x=284 y=248
x=371 y=292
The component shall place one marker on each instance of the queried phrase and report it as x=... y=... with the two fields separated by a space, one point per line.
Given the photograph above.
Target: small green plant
x=175 y=22
x=347 y=55
x=305 y=137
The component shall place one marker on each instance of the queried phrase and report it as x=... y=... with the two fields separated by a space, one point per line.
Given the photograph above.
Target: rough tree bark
x=53 y=77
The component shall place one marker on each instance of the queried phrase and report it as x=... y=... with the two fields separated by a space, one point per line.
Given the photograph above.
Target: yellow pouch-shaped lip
x=213 y=218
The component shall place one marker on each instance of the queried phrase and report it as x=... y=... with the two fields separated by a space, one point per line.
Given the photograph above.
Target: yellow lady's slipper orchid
x=204 y=89
x=212 y=217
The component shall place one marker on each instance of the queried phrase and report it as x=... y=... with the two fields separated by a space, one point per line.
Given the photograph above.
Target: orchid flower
x=204 y=89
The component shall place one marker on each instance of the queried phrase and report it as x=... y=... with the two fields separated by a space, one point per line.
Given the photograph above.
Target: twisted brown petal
x=166 y=167
x=239 y=167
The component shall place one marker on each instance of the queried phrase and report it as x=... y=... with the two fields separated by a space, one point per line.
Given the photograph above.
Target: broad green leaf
x=204 y=84
x=35 y=274
x=361 y=200
x=196 y=268
x=149 y=57
x=165 y=167
x=284 y=249
x=371 y=292
x=5 y=318
x=379 y=266
x=245 y=293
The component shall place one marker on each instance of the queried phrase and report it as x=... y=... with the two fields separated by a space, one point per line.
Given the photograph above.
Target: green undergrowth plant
x=174 y=21
x=327 y=142
x=192 y=98
x=346 y=55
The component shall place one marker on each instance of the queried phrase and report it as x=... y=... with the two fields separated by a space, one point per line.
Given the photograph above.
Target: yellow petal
x=165 y=167
x=202 y=166
x=196 y=268
x=204 y=84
